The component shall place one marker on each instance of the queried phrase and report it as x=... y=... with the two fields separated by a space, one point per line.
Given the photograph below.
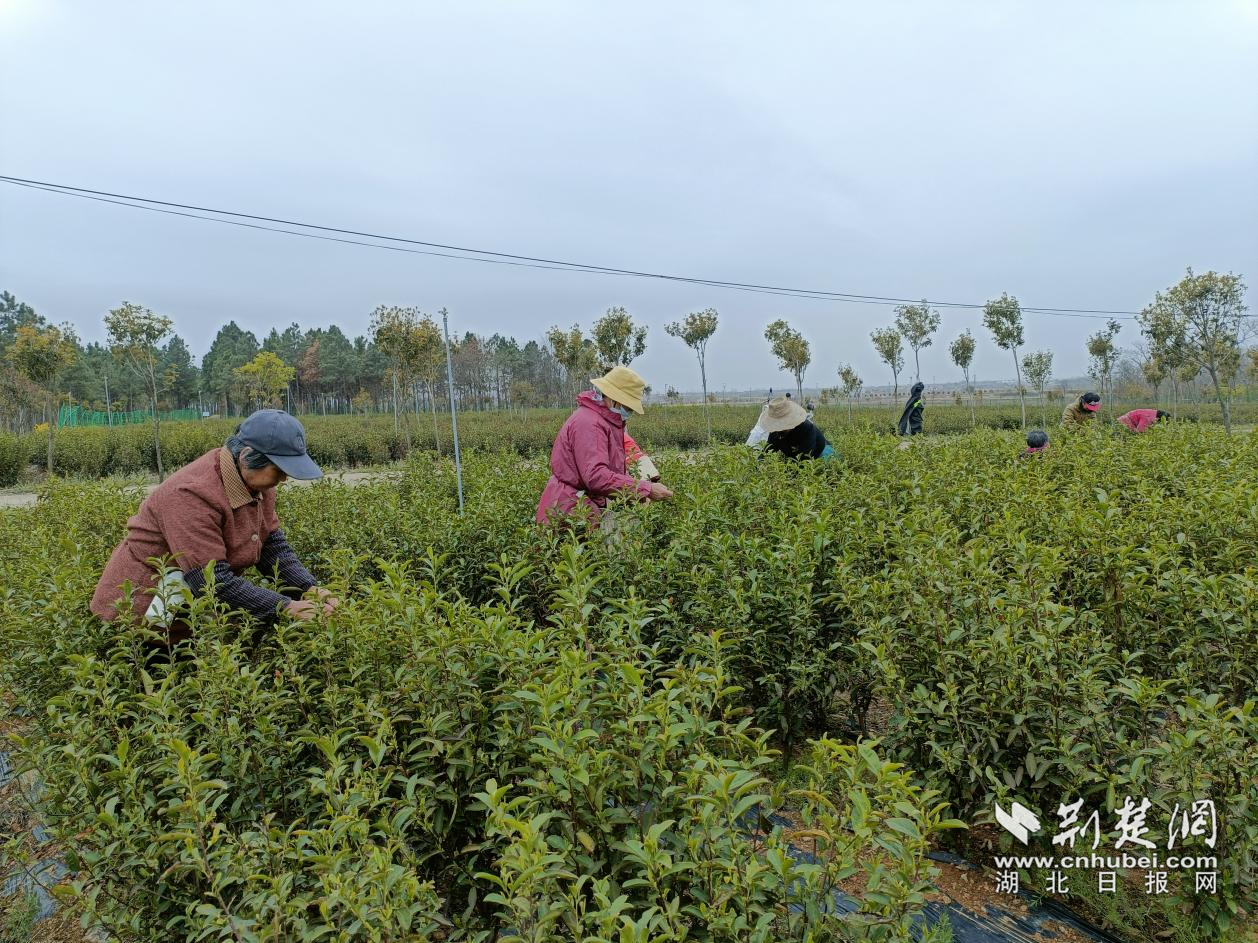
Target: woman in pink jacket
x=1142 y=420
x=587 y=462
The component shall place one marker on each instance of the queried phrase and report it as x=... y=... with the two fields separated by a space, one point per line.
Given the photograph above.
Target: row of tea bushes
x=347 y=441
x=1078 y=626
x=418 y=766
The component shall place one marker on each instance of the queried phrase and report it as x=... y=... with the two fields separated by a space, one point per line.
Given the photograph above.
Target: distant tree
x=134 y=335
x=962 y=352
x=338 y=364
x=1167 y=346
x=1208 y=312
x=1038 y=367
x=308 y=371
x=396 y=333
x=1103 y=354
x=576 y=354
x=231 y=348
x=361 y=402
x=430 y=365
x=180 y=376
x=672 y=395
x=41 y=354
x=916 y=324
x=288 y=345
x=263 y=380
x=791 y=349
x=1003 y=317
x=695 y=332
x=851 y=385
x=890 y=347
x=617 y=340
x=15 y=314
x=1152 y=369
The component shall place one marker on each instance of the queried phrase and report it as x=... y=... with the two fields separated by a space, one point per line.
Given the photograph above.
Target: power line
x=494 y=257
x=569 y=267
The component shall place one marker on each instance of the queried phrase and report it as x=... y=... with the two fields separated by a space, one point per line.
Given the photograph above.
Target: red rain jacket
x=1139 y=420
x=588 y=457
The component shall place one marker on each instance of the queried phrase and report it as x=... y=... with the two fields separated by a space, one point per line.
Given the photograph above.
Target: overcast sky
x=1075 y=154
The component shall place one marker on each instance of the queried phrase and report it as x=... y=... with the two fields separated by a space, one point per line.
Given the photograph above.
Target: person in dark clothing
x=911 y=419
x=1036 y=443
x=791 y=433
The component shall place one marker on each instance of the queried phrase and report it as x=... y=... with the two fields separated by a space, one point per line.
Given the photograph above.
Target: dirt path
x=26 y=499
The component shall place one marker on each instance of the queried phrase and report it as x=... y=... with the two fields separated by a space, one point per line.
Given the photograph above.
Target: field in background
x=347 y=441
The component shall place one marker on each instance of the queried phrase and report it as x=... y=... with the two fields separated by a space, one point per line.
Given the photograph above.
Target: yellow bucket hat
x=622 y=385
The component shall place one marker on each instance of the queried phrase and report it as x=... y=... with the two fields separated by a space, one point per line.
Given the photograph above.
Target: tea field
x=348 y=441
x=505 y=733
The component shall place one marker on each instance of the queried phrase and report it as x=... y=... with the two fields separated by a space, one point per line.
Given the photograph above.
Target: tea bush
x=1081 y=625
x=13 y=455
x=420 y=766
x=346 y=441
x=1044 y=630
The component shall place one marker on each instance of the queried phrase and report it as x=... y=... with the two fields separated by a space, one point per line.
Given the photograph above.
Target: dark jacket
x=911 y=419
x=804 y=441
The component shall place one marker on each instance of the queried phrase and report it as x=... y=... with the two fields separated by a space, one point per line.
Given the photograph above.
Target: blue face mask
x=621 y=411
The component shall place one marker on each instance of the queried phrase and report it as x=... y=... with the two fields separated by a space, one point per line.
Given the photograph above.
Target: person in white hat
x=790 y=431
x=587 y=462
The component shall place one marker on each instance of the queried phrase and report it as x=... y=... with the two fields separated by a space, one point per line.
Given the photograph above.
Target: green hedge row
x=347 y=441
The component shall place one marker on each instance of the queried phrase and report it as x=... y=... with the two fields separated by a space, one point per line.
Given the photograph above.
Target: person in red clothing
x=1142 y=420
x=587 y=462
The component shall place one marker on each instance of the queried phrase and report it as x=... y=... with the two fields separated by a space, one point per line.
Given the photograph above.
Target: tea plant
x=502 y=713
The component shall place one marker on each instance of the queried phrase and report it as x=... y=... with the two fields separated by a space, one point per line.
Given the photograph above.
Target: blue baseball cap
x=281 y=438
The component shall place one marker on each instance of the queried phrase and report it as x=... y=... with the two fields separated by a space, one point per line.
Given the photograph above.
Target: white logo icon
x=1019 y=821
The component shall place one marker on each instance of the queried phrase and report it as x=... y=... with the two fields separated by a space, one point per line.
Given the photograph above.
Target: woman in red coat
x=587 y=462
x=1142 y=420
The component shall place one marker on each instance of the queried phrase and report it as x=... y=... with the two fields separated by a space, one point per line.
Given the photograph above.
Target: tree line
x=1197 y=328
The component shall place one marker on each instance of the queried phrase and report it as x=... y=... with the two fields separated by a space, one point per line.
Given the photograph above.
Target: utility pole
x=454 y=413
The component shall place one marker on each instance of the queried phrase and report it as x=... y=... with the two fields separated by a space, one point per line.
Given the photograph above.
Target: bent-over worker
x=218 y=513
x=1081 y=411
x=1142 y=420
x=791 y=432
x=1036 y=443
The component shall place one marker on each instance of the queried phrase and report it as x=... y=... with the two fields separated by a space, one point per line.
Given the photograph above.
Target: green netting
x=78 y=416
